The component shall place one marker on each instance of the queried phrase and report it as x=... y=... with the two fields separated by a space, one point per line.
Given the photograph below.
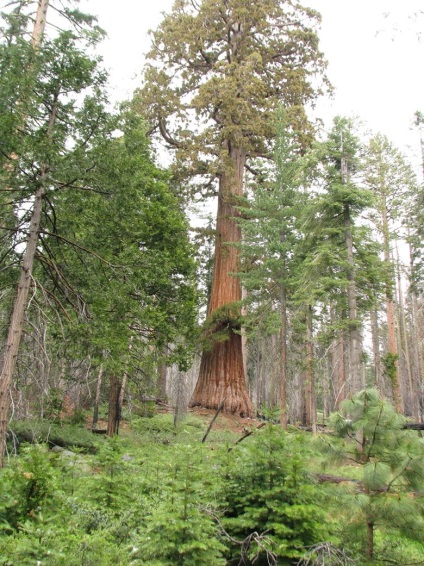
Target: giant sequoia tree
x=216 y=73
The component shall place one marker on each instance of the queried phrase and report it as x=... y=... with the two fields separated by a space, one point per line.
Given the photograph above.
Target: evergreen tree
x=269 y=220
x=40 y=124
x=391 y=179
x=131 y=263
x=226 y=66
x=391 y=463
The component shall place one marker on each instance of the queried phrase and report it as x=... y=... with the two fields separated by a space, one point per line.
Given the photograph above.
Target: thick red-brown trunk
x=221 y=376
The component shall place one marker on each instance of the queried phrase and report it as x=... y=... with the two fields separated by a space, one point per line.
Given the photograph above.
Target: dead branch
x=245 y=435
x=219 y=409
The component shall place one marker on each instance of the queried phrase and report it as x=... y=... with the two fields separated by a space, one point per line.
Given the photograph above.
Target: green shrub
x=270 y=505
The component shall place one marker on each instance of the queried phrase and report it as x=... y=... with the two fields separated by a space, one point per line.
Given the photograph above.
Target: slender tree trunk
x=341 y=367
x=310 y=399
x=40 y=23
x=370 y=540
x=354 y=346
x=283 y=360
x=113 y=415
x=10 y=353
x=97 y=398
x=221 y=375
x=123 y=387
x=418 y=352
x=392 y=349
x=162 y=382
x=259 y=378
x=376 y=349
x=17 y=318
x=404 y=339
x=417 y=341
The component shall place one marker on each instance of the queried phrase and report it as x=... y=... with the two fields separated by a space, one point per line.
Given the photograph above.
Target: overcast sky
x=374 y=49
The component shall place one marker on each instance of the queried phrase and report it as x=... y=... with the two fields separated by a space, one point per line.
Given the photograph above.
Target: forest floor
x=233 y=423
x=224 y=422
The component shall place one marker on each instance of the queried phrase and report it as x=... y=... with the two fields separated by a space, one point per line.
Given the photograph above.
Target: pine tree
x=391 y=463
x=391 y=179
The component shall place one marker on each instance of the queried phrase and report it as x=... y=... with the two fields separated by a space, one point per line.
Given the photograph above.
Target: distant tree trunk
x=354 y=342
x=123 y=386
x=97 y=398
x=370 y=540
x=404 y=340
x=392 y=369
x=376 y=348
x=221 y=375
x=259 y=377
x=310 y=400
x=417 y=340
x=283 y=360
x=10 y=352
x=340 y=366
x=163 y=372
x=113 y=416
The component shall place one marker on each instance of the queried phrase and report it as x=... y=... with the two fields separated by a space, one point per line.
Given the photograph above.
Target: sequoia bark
x=221 y=377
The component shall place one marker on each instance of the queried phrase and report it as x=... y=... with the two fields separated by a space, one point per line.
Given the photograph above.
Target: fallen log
x=414 y=426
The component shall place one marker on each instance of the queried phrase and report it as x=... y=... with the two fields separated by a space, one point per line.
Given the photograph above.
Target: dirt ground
x=233 y=423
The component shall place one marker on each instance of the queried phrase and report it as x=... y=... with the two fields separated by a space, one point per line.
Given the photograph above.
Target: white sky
x=374 y=49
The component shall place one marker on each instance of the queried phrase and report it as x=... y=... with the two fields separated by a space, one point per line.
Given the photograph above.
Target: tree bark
x=97 y=398
x=221 y=373
x=376 y=348
x=392 y=349
x=417 y=342
x=354 y=351
x=10 y=353
x=40 y=23
x=370 y=540
x=283 y=376
x=113 y=416
x=310 y=401
x=404 y=339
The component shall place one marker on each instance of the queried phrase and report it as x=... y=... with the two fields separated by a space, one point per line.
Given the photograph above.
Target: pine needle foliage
x=388 y=498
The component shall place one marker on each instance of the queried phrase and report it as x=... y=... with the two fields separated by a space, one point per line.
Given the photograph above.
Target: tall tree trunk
x=417 y=343
x=404 y=340
x=10 y=353
x=17 y=318
x=221 y=375
x=113 y=415
x=354 y=347
x=376 y=348
x=40 y=23
x=370 y=540
x=97 y=398
x=392 y=369
x=283 y=360
x=310 y=399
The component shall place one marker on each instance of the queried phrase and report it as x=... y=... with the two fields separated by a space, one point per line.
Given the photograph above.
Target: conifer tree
x=39 y=123
x=269 y=221
x=391 y=463
x=216 y=74
x=391 y=179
